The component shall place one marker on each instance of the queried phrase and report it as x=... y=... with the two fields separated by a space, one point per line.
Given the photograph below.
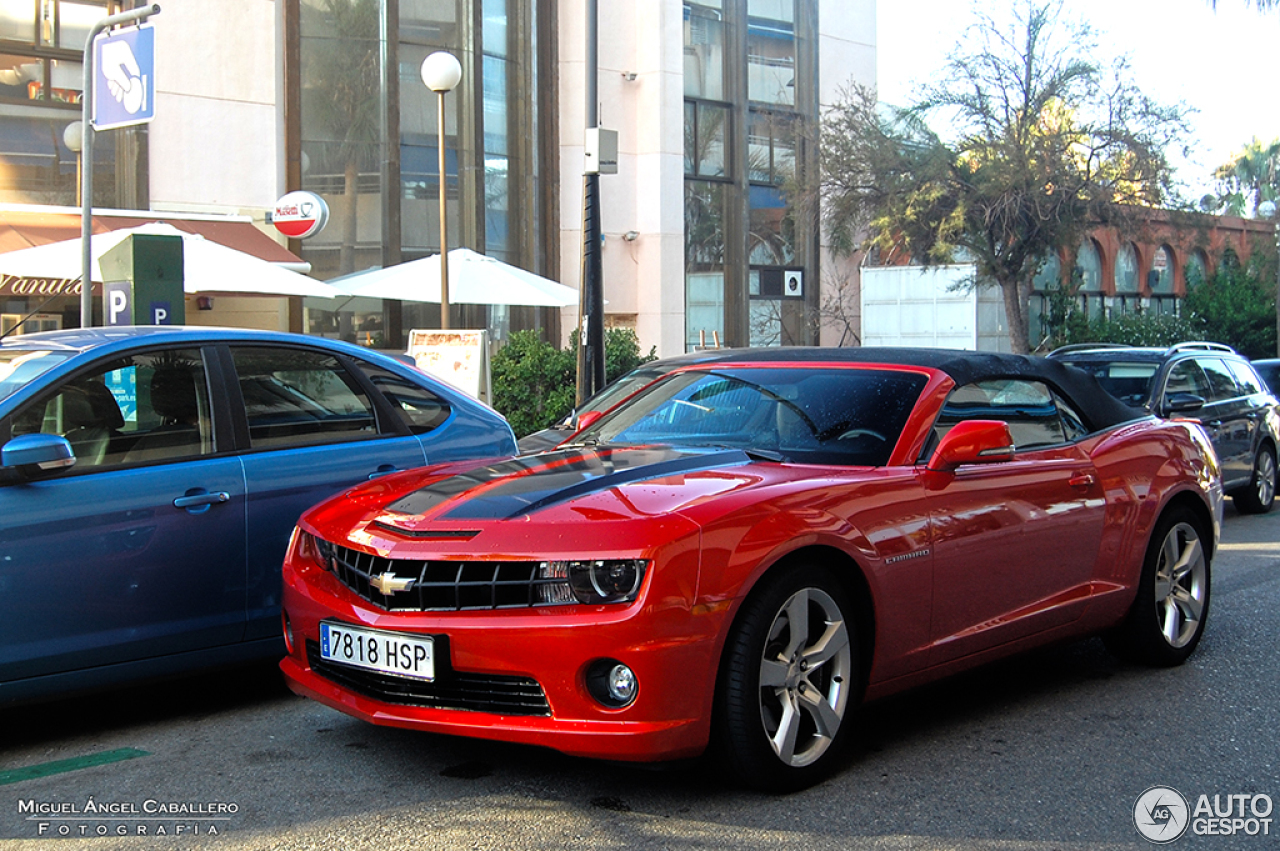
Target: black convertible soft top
x=1099 y=408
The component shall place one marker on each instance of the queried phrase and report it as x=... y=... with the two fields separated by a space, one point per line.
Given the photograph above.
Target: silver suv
x=1206 y=381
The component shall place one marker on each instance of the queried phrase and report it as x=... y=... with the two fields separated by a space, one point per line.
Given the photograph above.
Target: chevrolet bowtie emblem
x=388 y=584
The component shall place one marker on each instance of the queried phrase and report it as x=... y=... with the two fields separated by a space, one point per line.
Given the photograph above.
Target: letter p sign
x=118 y=297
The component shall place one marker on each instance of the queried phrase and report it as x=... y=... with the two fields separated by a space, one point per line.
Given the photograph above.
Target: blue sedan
x=150 y=478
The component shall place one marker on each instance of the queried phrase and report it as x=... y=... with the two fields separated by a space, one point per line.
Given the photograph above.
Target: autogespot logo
x=1161 y=815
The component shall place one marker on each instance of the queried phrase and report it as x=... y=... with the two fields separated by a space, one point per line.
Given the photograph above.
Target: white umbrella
x=207 y=267
x=473 y=279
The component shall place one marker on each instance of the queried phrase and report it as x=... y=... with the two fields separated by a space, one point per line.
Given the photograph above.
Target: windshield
x=1128 y=381
x=804 y=415
x=19 y=366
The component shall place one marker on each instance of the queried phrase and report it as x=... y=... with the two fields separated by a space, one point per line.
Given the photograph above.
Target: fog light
x=612 y=683
x=622 y=684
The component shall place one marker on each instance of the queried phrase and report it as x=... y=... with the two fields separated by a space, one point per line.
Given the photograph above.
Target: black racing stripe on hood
x=522 y=486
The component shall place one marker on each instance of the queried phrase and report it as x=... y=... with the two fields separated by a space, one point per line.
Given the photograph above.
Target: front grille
x=494 y=693
x=440 y=586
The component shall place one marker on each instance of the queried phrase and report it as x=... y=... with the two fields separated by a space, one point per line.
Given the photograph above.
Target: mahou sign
x=299 y=215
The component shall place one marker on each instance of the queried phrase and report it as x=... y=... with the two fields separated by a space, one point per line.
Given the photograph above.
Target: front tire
x=1168 y=616
x=788 y=683
x=1260 y=495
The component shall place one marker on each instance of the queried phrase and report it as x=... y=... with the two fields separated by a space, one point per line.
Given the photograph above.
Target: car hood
x=557 y=499
x=523 y=487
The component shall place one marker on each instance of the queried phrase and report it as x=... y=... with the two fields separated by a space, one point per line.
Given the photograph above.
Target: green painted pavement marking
x=44 y=769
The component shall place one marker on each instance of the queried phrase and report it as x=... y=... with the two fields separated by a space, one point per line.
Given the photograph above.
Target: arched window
x=1160 y=280
x=1162 y=266
x=1127 y=298
x=1088 y=272
x=1126 y=275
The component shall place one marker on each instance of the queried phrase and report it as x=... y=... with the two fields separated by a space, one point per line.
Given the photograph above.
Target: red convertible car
x=744 y=551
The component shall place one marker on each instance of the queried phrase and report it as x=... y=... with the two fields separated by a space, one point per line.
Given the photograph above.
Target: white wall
x=217 y=141
x=643 y=278
x=932 y=308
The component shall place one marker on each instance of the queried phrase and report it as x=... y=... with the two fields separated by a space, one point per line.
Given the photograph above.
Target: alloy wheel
x=1181 y=586
x=805 y=677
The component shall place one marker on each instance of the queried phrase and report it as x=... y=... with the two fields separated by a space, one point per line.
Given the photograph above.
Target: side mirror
x=973 y=442
x=586 y=418
x=1181 y=403
x=32 y=454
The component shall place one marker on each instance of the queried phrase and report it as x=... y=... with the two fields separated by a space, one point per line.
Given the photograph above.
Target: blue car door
x=136 y=551
x=313 y=427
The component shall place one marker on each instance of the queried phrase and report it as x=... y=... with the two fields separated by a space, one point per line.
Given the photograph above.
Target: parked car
x=739 y=554
x=612 y=394
x=150 y=478
x=1207 y=381
x=1268 y=370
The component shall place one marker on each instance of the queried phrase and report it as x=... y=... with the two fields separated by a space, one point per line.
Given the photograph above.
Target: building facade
x=712 y=99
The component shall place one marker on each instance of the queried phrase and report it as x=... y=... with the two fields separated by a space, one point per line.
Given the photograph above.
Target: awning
x=24 y=227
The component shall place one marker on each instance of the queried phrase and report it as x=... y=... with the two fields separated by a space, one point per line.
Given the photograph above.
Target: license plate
x=375 y=650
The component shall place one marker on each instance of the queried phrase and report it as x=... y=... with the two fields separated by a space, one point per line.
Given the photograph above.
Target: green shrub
x=535 y=384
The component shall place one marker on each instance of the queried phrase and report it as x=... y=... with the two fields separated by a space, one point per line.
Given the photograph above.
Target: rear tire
x=1260 y=495
x=789 y=682
x=1168 y=616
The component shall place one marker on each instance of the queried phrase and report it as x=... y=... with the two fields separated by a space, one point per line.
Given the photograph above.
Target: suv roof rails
x=1201 y=346
x=1086 y=347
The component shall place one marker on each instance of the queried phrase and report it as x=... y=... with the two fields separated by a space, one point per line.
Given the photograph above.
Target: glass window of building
x=41 y=76
x=705 y=128
x=704 y=50
x=704 y=227
x=1126 y=274
x=771 y=52
x=748 y=93
x=1088 y=270
x=369 y=131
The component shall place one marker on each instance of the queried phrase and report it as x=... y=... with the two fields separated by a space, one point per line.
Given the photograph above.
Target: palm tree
x=1250 y=178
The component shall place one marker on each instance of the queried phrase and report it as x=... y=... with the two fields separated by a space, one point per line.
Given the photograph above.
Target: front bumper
x=505 y=662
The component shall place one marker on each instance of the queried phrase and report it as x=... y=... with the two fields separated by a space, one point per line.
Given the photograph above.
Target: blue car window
x=1220 y=378
x=420 y=409
x=136 y=410
x=294 y=397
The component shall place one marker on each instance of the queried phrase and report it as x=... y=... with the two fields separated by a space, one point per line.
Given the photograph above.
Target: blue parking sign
x=124 y=80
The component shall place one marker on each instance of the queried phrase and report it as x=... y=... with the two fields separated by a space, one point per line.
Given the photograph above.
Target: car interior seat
x=173 y=400
x=91 y=418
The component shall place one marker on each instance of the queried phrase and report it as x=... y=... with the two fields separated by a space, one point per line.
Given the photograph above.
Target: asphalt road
x=1048 y=751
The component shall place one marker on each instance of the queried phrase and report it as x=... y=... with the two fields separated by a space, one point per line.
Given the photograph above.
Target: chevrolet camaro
x=740 y=554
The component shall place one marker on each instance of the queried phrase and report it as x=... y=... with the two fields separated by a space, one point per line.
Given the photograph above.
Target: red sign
x=299 y=215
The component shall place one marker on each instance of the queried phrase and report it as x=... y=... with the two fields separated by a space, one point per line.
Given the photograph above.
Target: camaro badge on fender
x=388 y=584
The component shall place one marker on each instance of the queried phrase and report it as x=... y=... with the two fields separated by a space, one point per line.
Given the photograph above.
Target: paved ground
x=1047 y=751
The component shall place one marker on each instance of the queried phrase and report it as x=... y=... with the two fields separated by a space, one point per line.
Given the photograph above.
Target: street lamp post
x=73 y=138
x=442 y=72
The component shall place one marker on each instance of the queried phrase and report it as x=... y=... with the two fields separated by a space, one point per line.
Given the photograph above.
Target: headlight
x=314 y=550
x=591 y=582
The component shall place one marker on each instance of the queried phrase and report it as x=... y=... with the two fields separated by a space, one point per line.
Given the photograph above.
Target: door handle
x=1081 y=480
x=383 y=470
x=195 y=500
